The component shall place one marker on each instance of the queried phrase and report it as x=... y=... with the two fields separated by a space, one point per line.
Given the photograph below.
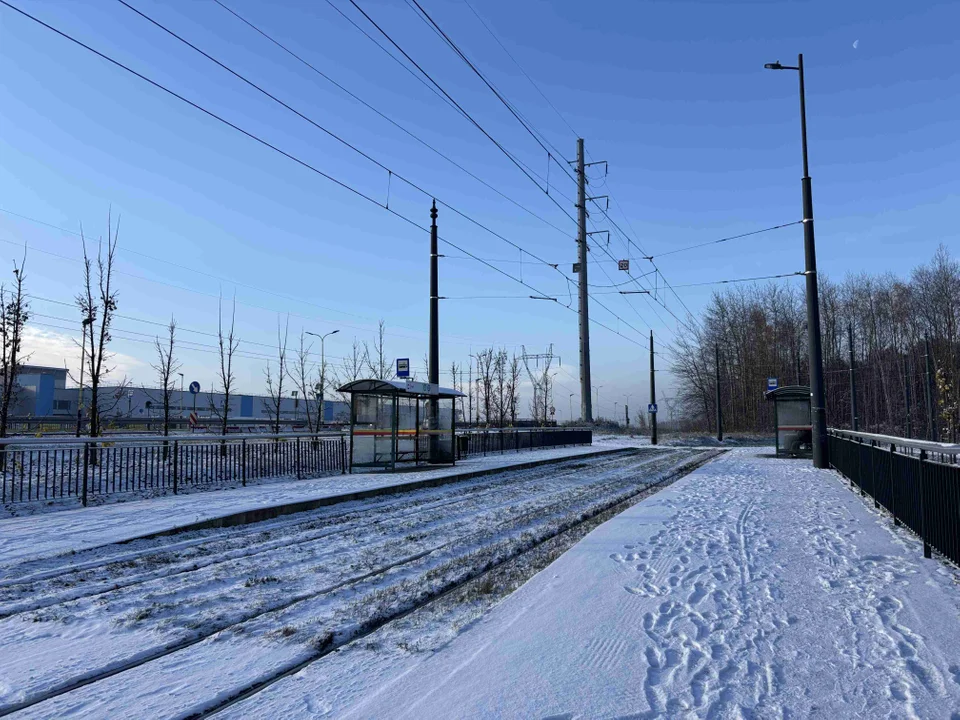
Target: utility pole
x=854 y=419
x=716 y=349
x=906 y=396
x=586 y=410
x=931 y=419
x=433 y=371
x=653 y=396
x=626 y=415
x=818 y=409
x=470 y=391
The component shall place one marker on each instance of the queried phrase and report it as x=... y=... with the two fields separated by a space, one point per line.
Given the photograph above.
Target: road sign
x=194 y=387
x=576 y=267
x=772 y=384
x=623 y=265
x=553 y=410
x=403 y=367
x=652 y=408
x=193 y=420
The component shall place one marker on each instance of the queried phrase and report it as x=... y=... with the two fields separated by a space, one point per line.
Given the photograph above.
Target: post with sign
x=652 y=407
x=772 y=384
x=403 y=367
x=194 y=390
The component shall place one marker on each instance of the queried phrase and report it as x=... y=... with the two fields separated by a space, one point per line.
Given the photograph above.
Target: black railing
x=85 y=468
x=504 y=440
x=900 y=475
x=46 y=469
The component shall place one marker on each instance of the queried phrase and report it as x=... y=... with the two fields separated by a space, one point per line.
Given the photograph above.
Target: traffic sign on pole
x=403 y=367
x=772 y=383
x=194 y=387
x=652 y=408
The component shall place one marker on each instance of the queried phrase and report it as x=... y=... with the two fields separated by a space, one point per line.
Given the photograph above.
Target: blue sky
x=702 y=143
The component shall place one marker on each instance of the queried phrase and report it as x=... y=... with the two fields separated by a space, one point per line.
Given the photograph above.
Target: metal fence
x=917 y=482
x=33 y=469
x=504 y=440
x=44 y=469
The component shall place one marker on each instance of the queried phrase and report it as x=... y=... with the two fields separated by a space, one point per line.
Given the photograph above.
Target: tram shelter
x=792 y=420
x=395 y=422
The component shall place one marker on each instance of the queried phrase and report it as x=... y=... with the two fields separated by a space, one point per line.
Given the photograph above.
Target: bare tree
x=227 y=344
x=14 y=313
x=513 y=386
x=376 y=360
x=275 y=386
x=485 y=383
x=166 y=367
x=350 y=369
x=300 y=376
x=500 y=387
x=98 y=304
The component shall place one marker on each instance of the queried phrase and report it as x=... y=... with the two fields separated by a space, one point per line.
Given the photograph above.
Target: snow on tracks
x=233 y=608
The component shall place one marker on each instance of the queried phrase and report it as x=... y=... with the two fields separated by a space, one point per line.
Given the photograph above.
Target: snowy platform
x=43 y=535
x=753 y=587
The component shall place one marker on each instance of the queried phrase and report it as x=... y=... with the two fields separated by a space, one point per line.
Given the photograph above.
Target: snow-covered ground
x=27 y=537
x=168 y=626
x=752 y=588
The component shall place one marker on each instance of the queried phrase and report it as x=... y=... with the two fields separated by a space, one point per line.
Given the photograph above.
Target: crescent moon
x=855 y=43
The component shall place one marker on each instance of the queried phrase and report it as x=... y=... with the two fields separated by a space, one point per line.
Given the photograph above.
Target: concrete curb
x=246 y=517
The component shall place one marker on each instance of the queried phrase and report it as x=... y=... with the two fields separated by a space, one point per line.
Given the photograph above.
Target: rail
x=56 y=467
x=921 y=492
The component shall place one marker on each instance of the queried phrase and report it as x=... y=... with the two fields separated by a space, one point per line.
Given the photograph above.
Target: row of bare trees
x=761 y=333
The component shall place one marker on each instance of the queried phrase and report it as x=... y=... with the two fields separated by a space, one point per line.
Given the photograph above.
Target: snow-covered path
x=753 y=587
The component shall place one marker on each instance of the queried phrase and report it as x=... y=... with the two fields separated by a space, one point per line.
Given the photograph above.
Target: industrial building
x=43 y=393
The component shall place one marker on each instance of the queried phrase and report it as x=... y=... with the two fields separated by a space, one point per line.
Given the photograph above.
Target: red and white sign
x=194 y=419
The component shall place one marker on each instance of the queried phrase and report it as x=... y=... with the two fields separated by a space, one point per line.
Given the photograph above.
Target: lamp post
x=323 y=373
x=818 y=413
x=626 y=408
x=615 y=403
x=570 y=401
x=597 y=388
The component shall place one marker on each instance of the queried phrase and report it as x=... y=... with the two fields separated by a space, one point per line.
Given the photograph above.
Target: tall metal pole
x=433 y=371
x=586 y=410
x=906 y=397
x=716 y=349
x=928 y=389
x=854 y=418
x=626 y=415
x=653 y=395
x=818 y=404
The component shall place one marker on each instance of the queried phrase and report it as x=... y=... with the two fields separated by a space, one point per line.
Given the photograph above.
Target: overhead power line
x=520 y=68
x=723 y=240
x=523 y=168
x=526 y=124
x=386 y=117
x=741 y=280
x=290 y=156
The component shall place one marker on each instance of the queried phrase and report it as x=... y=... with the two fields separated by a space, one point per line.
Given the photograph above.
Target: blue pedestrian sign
x=652 y=408
x=772 y=384
x=403 y=367
x=194 y=387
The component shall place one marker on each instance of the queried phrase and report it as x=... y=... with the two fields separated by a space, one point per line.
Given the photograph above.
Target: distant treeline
x=761 y=332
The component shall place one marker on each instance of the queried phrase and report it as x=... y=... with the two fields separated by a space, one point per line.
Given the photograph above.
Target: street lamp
x=323 y=372
x=818 y=413
x=570 y=401
x=626 y=408
x=615 y=403
x=597 y=388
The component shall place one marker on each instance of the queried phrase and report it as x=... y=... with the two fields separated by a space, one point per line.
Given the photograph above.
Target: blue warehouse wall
x=246 y=406
x=45 y=388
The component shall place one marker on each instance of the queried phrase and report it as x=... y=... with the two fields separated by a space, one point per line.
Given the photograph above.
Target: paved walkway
x=753 y=588
x=55 y=533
